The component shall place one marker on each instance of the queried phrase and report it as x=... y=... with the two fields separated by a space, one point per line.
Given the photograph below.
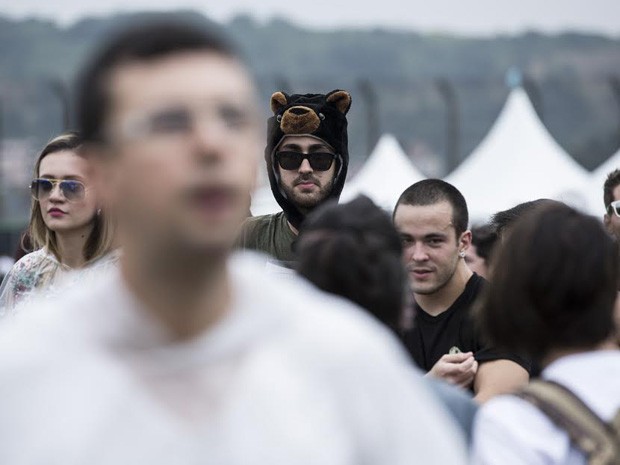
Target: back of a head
x=483 y=238
x=353 y=250
x=432 y=191
x=502 y=221
x=138 y=42
x=554 y=287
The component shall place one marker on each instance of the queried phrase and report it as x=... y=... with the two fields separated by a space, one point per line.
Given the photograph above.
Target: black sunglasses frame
x=318 y=160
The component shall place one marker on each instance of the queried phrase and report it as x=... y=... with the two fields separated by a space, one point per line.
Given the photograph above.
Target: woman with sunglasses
x=67 y=228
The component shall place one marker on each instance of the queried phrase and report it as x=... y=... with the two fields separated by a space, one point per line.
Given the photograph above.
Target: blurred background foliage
x=395 y=78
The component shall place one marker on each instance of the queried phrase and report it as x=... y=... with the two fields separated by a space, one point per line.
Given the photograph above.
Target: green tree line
x=394 y=77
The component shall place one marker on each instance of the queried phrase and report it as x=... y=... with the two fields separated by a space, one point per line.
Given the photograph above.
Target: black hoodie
x=318 y=115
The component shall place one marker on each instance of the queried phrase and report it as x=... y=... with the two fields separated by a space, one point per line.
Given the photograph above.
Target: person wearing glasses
x=307 y=158
x=188 y=353
x=611 y=197
x=67 y=227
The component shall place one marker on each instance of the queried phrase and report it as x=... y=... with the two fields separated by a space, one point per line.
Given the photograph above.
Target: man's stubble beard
x=446 y=278
x=304 y=203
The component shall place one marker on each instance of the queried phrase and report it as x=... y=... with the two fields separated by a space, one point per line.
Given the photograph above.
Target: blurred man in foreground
x=186 y=355
x=431 y=217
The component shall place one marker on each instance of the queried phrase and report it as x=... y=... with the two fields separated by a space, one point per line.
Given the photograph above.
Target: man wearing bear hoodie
x=307 y=158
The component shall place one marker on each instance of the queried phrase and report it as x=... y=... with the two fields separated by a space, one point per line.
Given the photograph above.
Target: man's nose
x=305 y=166
x=210 y=137
x=418 y=252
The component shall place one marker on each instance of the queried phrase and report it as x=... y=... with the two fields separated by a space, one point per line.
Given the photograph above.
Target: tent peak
x=514 y=77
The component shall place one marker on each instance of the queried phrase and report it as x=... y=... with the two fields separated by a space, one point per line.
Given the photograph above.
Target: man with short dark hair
x=353 y=250
x=307 y=157
x=431 y=217
x=187 y=355
x=611 y=199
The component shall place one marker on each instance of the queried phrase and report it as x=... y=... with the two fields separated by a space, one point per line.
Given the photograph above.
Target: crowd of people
x=154 y=320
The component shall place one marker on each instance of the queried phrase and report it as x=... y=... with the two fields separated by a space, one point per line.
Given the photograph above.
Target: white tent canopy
x=384 y=176
x=263 y=202
x=519 y=161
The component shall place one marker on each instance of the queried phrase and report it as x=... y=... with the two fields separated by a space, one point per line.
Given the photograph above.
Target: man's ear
x=278 y=101
x=465 y=241
x=340 y=99
x=607 y=221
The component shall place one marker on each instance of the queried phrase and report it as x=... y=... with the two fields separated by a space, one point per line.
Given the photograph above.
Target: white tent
x=597 y=179
x=263 y=202
x=518 y=161
x=384 y=176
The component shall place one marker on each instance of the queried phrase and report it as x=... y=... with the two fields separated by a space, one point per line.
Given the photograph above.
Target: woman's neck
x=70 y=246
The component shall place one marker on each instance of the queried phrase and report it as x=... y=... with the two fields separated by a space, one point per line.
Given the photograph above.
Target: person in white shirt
x=552 y=297
x=186 y=354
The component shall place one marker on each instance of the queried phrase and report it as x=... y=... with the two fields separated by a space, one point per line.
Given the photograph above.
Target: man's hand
x=457 y=369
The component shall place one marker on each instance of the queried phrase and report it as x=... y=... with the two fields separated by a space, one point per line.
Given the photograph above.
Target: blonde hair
x=99 y=242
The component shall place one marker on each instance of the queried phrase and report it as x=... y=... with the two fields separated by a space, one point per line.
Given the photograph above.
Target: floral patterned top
x=40 y=272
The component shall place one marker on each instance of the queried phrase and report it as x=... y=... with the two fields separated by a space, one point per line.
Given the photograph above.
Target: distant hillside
x=394 y=73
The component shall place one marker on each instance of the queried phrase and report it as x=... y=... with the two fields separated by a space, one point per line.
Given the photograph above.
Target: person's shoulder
x=506 y=408
x=262 y=220
x=255 y=227
x=508 y=425
x=23 y=277
x=31 y=260
x=476 y=284
x=47 y=323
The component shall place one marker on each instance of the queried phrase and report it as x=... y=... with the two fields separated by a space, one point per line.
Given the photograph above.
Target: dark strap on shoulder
x=599 y=440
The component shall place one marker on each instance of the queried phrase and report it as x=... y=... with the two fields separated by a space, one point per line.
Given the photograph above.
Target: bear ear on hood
x=278 y=101
x=340 y=99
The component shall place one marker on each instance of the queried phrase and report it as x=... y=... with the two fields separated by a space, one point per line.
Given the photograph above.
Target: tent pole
x=448 y=93
x=368 y=94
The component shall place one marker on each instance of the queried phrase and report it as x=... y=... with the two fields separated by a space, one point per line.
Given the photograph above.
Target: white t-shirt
x=289 y=376
x=511 y=431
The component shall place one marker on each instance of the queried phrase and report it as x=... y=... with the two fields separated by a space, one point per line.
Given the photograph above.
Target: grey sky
x=478 y=17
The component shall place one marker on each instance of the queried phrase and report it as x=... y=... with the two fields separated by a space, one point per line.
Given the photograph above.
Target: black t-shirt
x=434 y=336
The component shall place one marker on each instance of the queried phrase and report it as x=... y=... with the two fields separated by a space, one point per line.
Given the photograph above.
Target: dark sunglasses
x=319 y=161
x=71 y=190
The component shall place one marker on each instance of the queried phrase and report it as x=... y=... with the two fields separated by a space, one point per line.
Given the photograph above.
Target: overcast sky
x=477 y=17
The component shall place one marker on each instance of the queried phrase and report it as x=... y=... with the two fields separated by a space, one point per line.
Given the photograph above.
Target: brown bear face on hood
x=305 y=117
x=318 y=115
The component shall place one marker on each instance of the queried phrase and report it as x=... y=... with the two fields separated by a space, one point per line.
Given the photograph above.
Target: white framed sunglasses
x=614 y=207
